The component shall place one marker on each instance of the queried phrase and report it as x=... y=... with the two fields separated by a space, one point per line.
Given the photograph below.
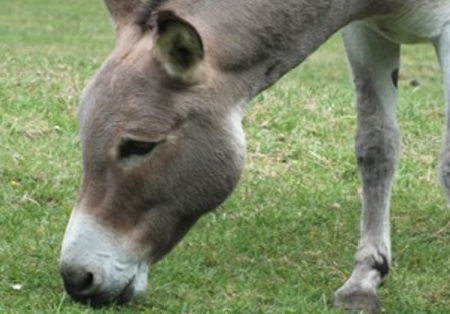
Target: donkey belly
x=414 y=22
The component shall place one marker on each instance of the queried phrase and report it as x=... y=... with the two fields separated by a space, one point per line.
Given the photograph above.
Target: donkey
x=161 y=135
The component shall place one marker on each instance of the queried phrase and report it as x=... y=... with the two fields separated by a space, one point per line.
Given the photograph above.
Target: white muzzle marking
x=89 y=247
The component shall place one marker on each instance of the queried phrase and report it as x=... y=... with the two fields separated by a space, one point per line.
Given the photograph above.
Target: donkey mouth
x=101 y=298
x=125 y=296
x=127 y=293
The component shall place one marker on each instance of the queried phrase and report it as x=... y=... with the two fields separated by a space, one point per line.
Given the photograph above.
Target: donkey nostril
x=84 y=282
x=79 y=282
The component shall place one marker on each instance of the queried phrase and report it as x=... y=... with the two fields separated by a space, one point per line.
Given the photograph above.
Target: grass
x=285 y=239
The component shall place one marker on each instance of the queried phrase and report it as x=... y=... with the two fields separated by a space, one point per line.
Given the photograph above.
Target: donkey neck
x=258 y=41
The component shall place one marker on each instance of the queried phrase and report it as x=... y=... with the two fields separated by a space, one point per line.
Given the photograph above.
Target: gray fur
x=189 y=111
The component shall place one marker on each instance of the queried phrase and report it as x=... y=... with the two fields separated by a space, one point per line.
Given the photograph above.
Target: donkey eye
x=131 y=148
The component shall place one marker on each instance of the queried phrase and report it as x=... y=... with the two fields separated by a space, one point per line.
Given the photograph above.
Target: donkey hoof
x=361 y=301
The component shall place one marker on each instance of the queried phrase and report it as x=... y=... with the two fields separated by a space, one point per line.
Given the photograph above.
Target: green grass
x=285 y=239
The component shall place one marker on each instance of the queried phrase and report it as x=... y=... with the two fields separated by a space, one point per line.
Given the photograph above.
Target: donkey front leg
x=442 y=46
x=375 y=64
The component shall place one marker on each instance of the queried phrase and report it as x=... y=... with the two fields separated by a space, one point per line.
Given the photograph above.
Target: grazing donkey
x=161 y=134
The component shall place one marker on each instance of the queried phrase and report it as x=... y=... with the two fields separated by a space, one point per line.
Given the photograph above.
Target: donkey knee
x=377 y=153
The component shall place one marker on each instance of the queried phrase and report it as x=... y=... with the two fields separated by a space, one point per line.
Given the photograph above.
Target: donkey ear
x=122 y=12
x=179 y=47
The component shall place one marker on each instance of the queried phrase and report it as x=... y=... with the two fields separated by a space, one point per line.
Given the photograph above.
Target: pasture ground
x=285 y=239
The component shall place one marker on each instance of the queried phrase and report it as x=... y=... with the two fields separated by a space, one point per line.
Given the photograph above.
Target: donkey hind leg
x=442 y=46
x=375 y=64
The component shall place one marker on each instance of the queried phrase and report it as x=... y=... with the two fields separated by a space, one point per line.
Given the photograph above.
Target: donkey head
x=162 y=144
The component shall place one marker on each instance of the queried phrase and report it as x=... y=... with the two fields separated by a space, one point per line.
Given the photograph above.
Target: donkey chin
x=111 y=272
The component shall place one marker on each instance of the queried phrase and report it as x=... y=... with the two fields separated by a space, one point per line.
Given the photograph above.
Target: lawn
x=282 y=243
